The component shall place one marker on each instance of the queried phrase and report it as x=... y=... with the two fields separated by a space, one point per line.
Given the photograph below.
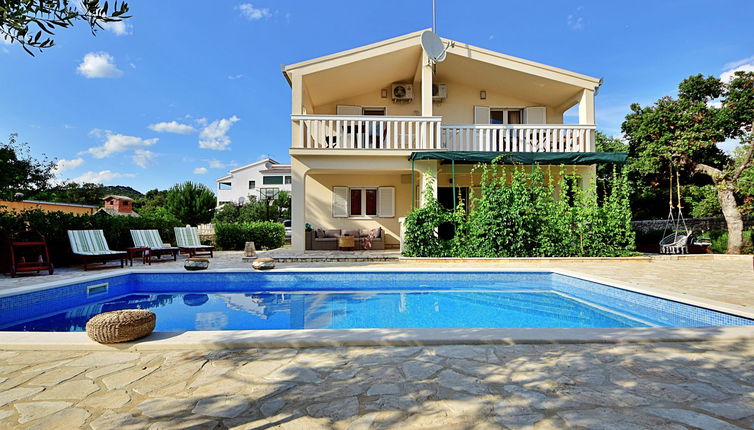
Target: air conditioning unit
x=403 y=92
x=439 y=92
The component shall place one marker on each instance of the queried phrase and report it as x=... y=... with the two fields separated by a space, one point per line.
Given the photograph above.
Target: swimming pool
x=346 y=300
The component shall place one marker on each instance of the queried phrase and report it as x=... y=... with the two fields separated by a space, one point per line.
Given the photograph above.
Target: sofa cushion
x=325 y=239
x=377 y=233
x=364 y=232
x=332 y=233
x=320 y=233
x=354 y=233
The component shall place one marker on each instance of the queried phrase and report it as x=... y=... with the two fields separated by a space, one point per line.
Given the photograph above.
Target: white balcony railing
x=367 y=132
x=518 y=138
x=413 y=132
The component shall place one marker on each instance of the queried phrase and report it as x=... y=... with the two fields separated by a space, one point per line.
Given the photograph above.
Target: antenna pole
x=434 y=18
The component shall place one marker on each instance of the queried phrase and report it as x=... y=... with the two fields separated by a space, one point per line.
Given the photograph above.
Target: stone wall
x=695 y=224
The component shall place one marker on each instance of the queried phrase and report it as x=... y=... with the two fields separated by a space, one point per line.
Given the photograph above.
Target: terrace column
x=428 y=170
x=297 y=108
x=298 y=204
x=426 y=98
x=586 y=114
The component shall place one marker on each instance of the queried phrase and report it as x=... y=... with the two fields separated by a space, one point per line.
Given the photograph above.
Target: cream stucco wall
x=457 y=108
x=319 y=196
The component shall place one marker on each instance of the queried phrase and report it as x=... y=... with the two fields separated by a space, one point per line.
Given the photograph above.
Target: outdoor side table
x=145 y=254
x=346 y=243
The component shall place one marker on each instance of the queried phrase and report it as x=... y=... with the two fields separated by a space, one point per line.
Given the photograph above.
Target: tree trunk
x=725 y=195
x=732 y=217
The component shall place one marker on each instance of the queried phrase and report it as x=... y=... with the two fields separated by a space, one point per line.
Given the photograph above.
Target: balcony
x=427 y=133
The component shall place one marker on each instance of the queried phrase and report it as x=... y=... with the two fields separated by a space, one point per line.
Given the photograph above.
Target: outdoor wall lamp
x=483 y=94
x=383 y=93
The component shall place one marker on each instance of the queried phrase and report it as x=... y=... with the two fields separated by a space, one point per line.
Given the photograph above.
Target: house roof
x=113 y=212
x=60 y=204
x=113 y=196
x=342 y=74
x=273 y=165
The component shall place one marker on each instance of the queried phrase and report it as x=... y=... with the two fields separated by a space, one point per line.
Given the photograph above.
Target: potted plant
x=309 y=234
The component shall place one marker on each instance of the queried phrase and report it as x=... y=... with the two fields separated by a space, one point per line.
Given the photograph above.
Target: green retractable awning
x=552 y=158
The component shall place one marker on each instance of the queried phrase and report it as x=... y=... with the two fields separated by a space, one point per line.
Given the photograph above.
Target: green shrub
x=526 y=216
x=55 y=225
x=719 y=240
x=265 y=235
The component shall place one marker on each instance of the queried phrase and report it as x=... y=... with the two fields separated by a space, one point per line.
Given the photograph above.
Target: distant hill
x=121 y=190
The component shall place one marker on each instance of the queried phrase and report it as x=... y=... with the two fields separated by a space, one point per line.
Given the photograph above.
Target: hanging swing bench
x=681 y=237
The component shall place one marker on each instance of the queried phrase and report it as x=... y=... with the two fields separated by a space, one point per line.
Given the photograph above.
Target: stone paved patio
x=708 y=385
x=651 y=386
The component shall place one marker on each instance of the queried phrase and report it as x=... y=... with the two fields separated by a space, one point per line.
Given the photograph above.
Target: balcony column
x=297 y=108
x=586 y=114
x=426 y=98
x=586 y=107
x=298 y=204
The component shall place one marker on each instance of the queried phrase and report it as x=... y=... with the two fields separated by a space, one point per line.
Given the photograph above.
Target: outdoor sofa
x=187 y=239
x=325 y=240
x=91 y=246
x=151 y=239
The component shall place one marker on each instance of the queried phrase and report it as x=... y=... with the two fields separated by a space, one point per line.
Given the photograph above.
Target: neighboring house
x=27 y=205
x=373 y=125
x=263 y=179
x=118 y=205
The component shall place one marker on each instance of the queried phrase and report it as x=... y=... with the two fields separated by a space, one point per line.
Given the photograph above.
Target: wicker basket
x=263 y=263
x=121 y=326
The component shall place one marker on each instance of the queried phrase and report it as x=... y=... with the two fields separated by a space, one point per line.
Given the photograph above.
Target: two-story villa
x=372 y=125
x=262 y=179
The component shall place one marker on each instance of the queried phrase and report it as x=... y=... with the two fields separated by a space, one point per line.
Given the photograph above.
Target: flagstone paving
x=588 y=386
x=708 y=385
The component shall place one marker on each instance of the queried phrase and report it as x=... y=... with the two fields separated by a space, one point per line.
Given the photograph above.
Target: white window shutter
x=386 y=200
x=481 y=114
x=347 y=110
x=340 y=202
x=535 y=115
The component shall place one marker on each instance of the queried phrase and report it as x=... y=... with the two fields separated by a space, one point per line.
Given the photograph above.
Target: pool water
x=328 y=300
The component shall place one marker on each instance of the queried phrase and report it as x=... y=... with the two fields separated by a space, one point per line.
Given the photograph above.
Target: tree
x=20 y=173
x=190 y=202
x=685 y=131
x=27 y=21
x=72 y=192
x=227 y=213
x=151 y=201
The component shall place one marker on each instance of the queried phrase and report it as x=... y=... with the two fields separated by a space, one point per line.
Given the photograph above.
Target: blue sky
x=185 y=93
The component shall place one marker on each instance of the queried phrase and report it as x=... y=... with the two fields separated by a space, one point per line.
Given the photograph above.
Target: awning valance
x=551 y=158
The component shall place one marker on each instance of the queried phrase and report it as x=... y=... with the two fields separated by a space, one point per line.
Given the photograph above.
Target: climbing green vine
x=526 y=214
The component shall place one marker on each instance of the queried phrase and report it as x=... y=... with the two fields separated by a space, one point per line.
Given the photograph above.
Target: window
x=287 y=179
x=223 y=186
x=252 y=185
x=505 y=116
x=373 y=111
x=272 y=180
x=363 y=202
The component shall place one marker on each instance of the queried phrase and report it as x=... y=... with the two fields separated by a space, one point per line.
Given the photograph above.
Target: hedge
x=265 y=235
x=54 y=227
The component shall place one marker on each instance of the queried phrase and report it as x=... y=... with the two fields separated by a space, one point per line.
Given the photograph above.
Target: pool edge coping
x=384 y=337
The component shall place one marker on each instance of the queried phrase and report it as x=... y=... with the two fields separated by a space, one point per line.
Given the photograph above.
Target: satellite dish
x=433 y=46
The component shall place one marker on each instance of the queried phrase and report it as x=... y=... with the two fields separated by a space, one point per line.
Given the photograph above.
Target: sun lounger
x=151 y=239
x=187 y=239
x=90 y=245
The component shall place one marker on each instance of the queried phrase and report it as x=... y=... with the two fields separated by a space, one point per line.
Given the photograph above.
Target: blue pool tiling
x=338 y=300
